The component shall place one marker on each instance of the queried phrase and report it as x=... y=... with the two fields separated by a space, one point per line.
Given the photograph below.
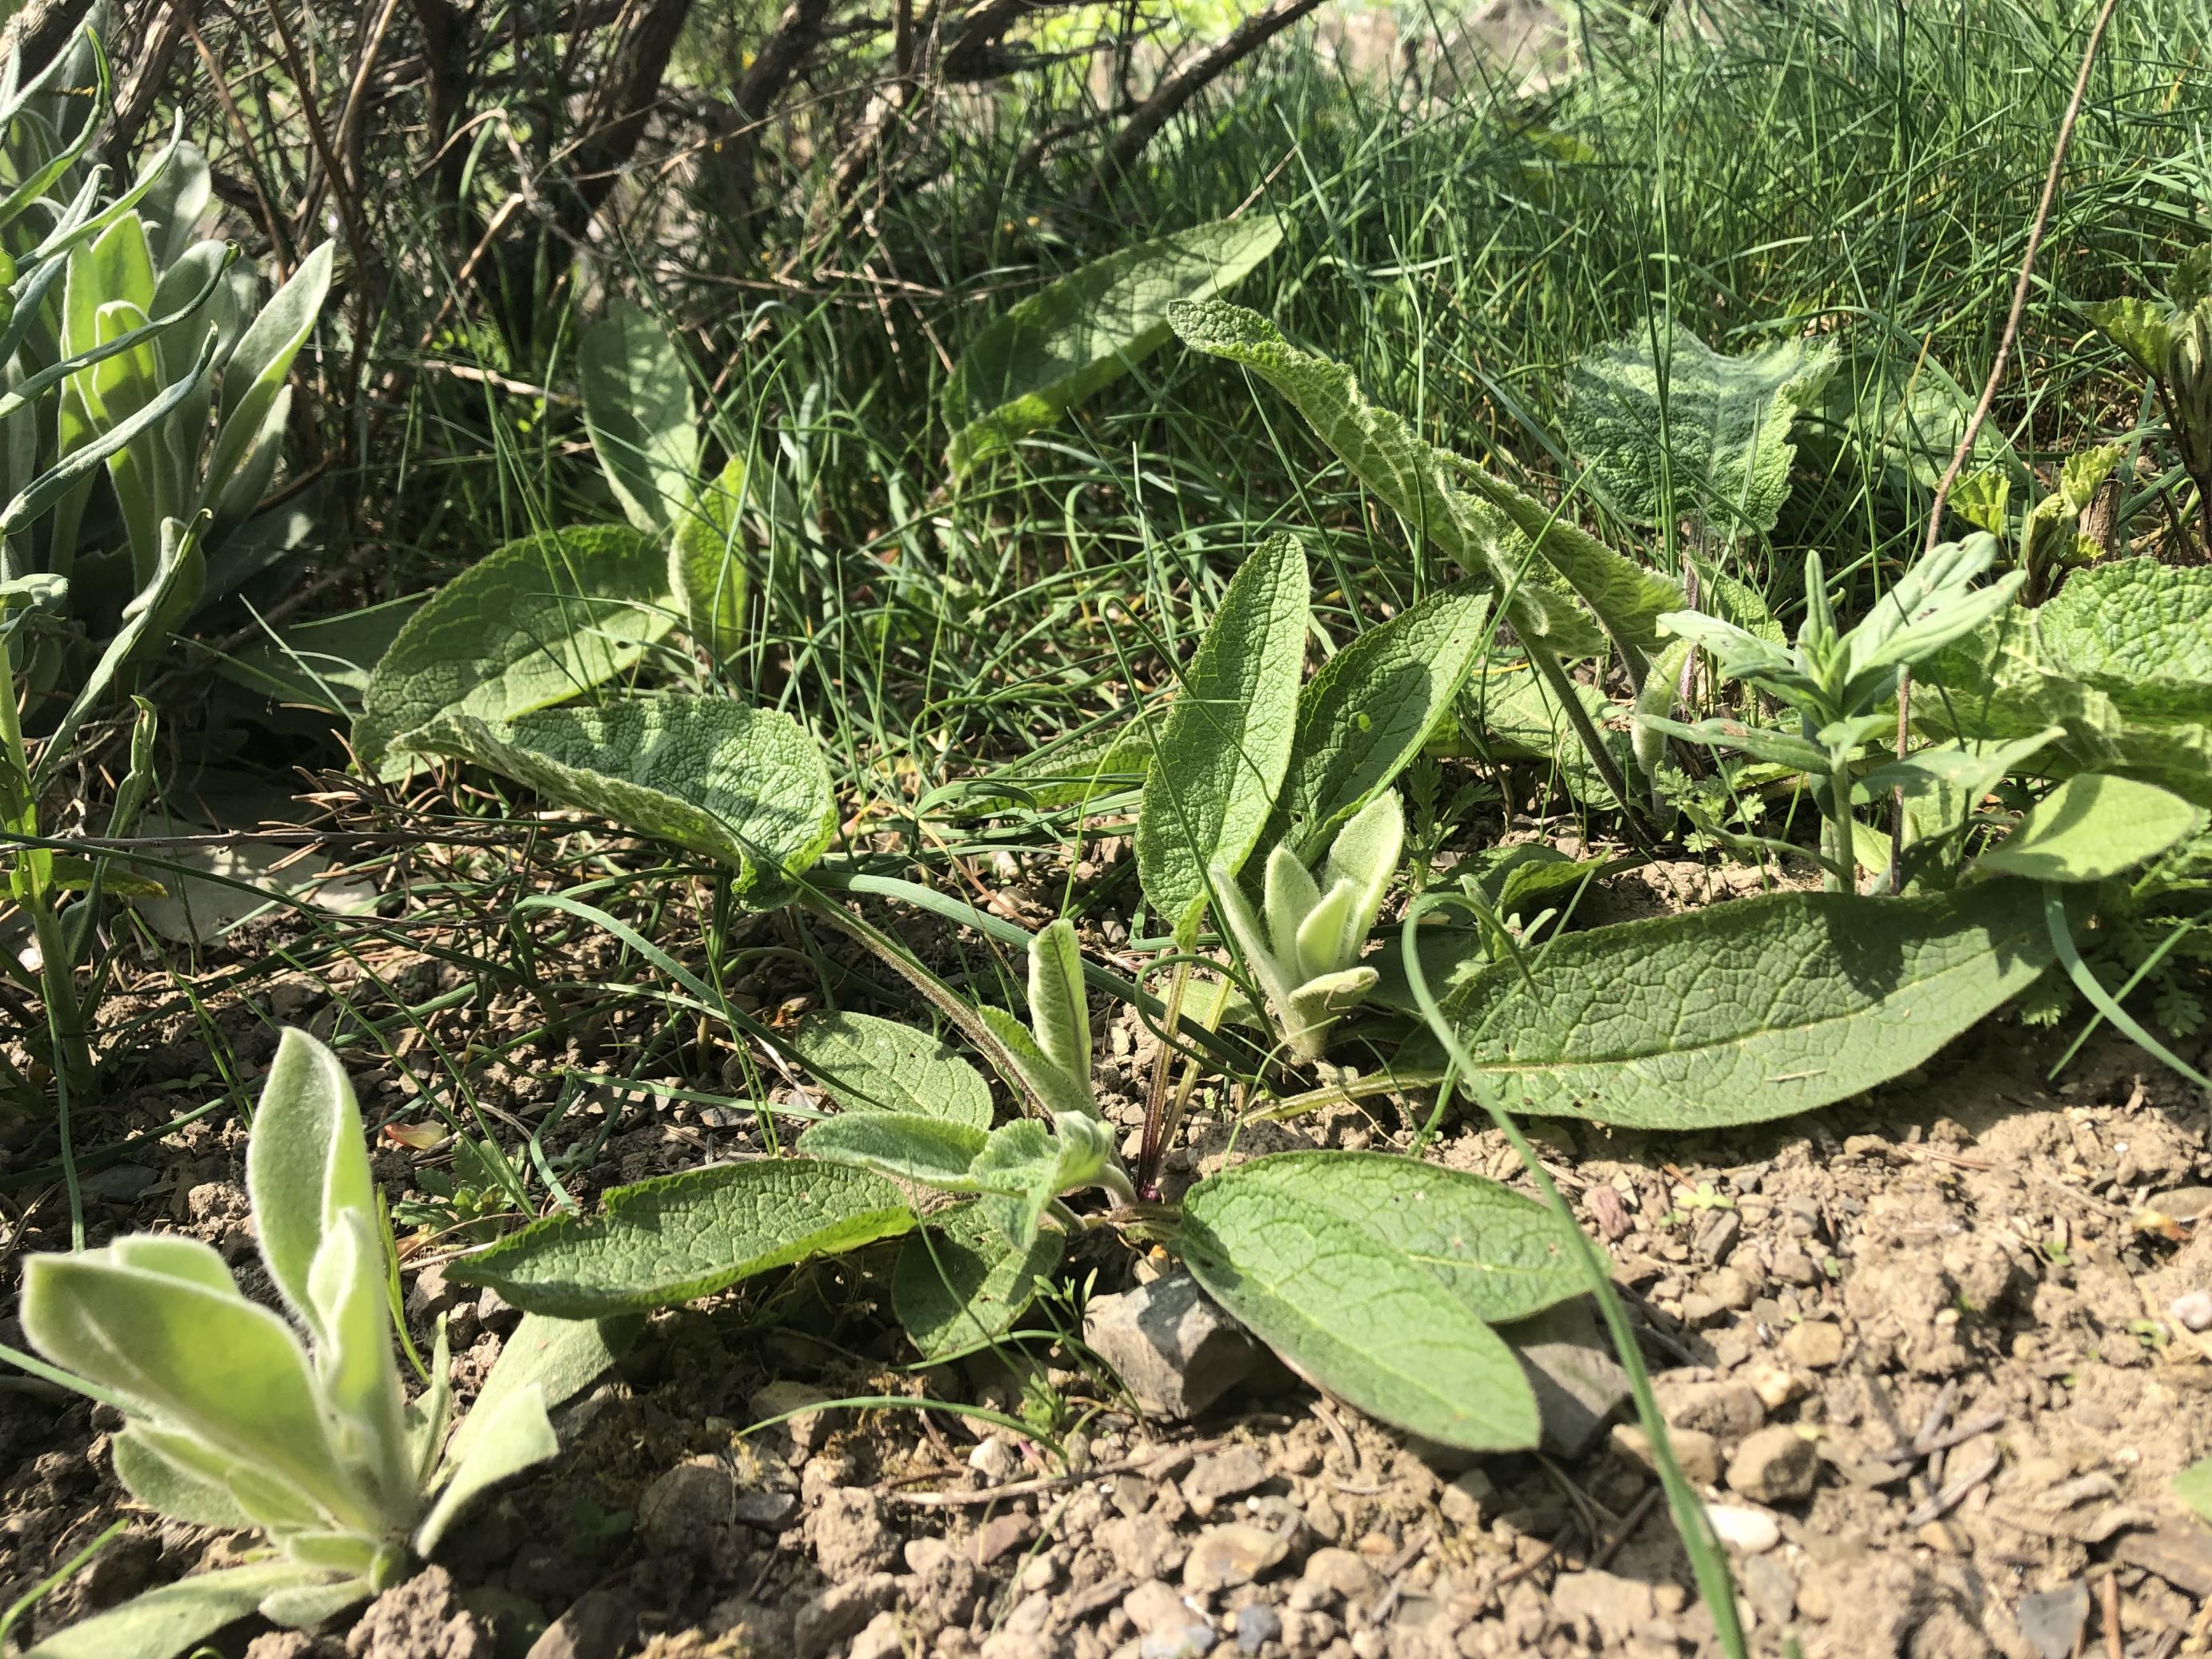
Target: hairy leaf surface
x=707 y=564
x=905 y=1145
x=1547 y=577
x=1087 y=330
x=637 y=410
x=1226 y=738
x=872 y=1065
x=1744 y=1011
x=1376 y=1278
x=743 y=785
x=1365 y=714
x=2090 y=827
x=168 y=1620
x=536 y=622
x=678 y=1237
x=1721 y=439
x=960 y=1281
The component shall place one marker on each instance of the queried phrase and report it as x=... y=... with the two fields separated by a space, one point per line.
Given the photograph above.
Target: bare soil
x=1922 y=1349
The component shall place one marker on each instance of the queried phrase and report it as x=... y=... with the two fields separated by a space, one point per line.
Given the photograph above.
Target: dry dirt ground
x=1930 y=1352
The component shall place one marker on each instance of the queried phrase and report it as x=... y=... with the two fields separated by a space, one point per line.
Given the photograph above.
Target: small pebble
x=1752 y=1531
x=2192 y=1312
x=1257 y=1625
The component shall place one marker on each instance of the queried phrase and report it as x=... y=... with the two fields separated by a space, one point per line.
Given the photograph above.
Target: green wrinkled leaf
x=743 y=785
x=678 y=1237
x=1721 y=439
x=558 y=1357
x=1745 y=1012
x=1895 y=412
x=1226 y=740
x=960 y=1281
x=1494 y=540
x=164 y=1622
x=933 y=1151
x=872 y=1065
x=637 y=410
x=2121 y=661
x=1366 y=714
x=707 y=563
x=1086 y=330
x=2091 y=827
x=1376 y=1277
x=536 y=622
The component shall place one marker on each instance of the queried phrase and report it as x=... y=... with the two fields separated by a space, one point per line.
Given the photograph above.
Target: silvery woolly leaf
x=1037 y=1073
x=1254 y=945
x=168 y=1483
x=199 y=1361
x=353 y=1358
x=1365 y=854
x=1290 y=894
x=1319 y=946
x=307 y=1163
x=1321 y=1002
x=515 y=1434
x=167 y=1621
x=1060 y=1013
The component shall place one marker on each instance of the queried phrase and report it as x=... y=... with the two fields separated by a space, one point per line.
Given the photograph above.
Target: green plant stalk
x=1699 y=1540
x=1842 y=875
x=1555 y=678
x=30 y=880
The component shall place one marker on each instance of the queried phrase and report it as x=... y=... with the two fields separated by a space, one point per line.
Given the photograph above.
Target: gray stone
x=601 y=1624
x=2052 y=1622
x=1774 y=1466
x=1753 y=1532
x=770 y=1511
x=684 y=1512
x=1172 y=1348
x=1226 y=1475
x=1720 y=1236
x=1469 y=1501
x=1257 y=1625
x=1616 y=1608
x=1570 y=1365
x=1770 y=1587
x=1725 y=1410
x=805 y=1429
x=840 y=1613
x=1816 y=1345
x=1221 y=1558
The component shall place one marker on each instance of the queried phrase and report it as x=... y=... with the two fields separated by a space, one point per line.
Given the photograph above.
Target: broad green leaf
x=1021 y=1168
x=303 y=1606
x=2090 y=827
x=1744 y=1011
x=164 y=1622
x=637 y=408
x=933 y=1151
x=743 y=785
x=558 y=1357
x=1374 y=1295
x=354 y=1359
x=1549 y=579
x=1519 y=719
x=678 y=1237
x=1718 y=435
x=1892 y=409
x=2121 y=660
x=1367 y=712
x=960 y=1281
x=536 y=622
x=706 y=563
x=2138 y=326
x=872 y=1065
x=306 y=1164
x=512 y=1435
x=324 y=664
x=201 y=1361
x=1060 y=1009
x=1086 y=330
x=1226 y=738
